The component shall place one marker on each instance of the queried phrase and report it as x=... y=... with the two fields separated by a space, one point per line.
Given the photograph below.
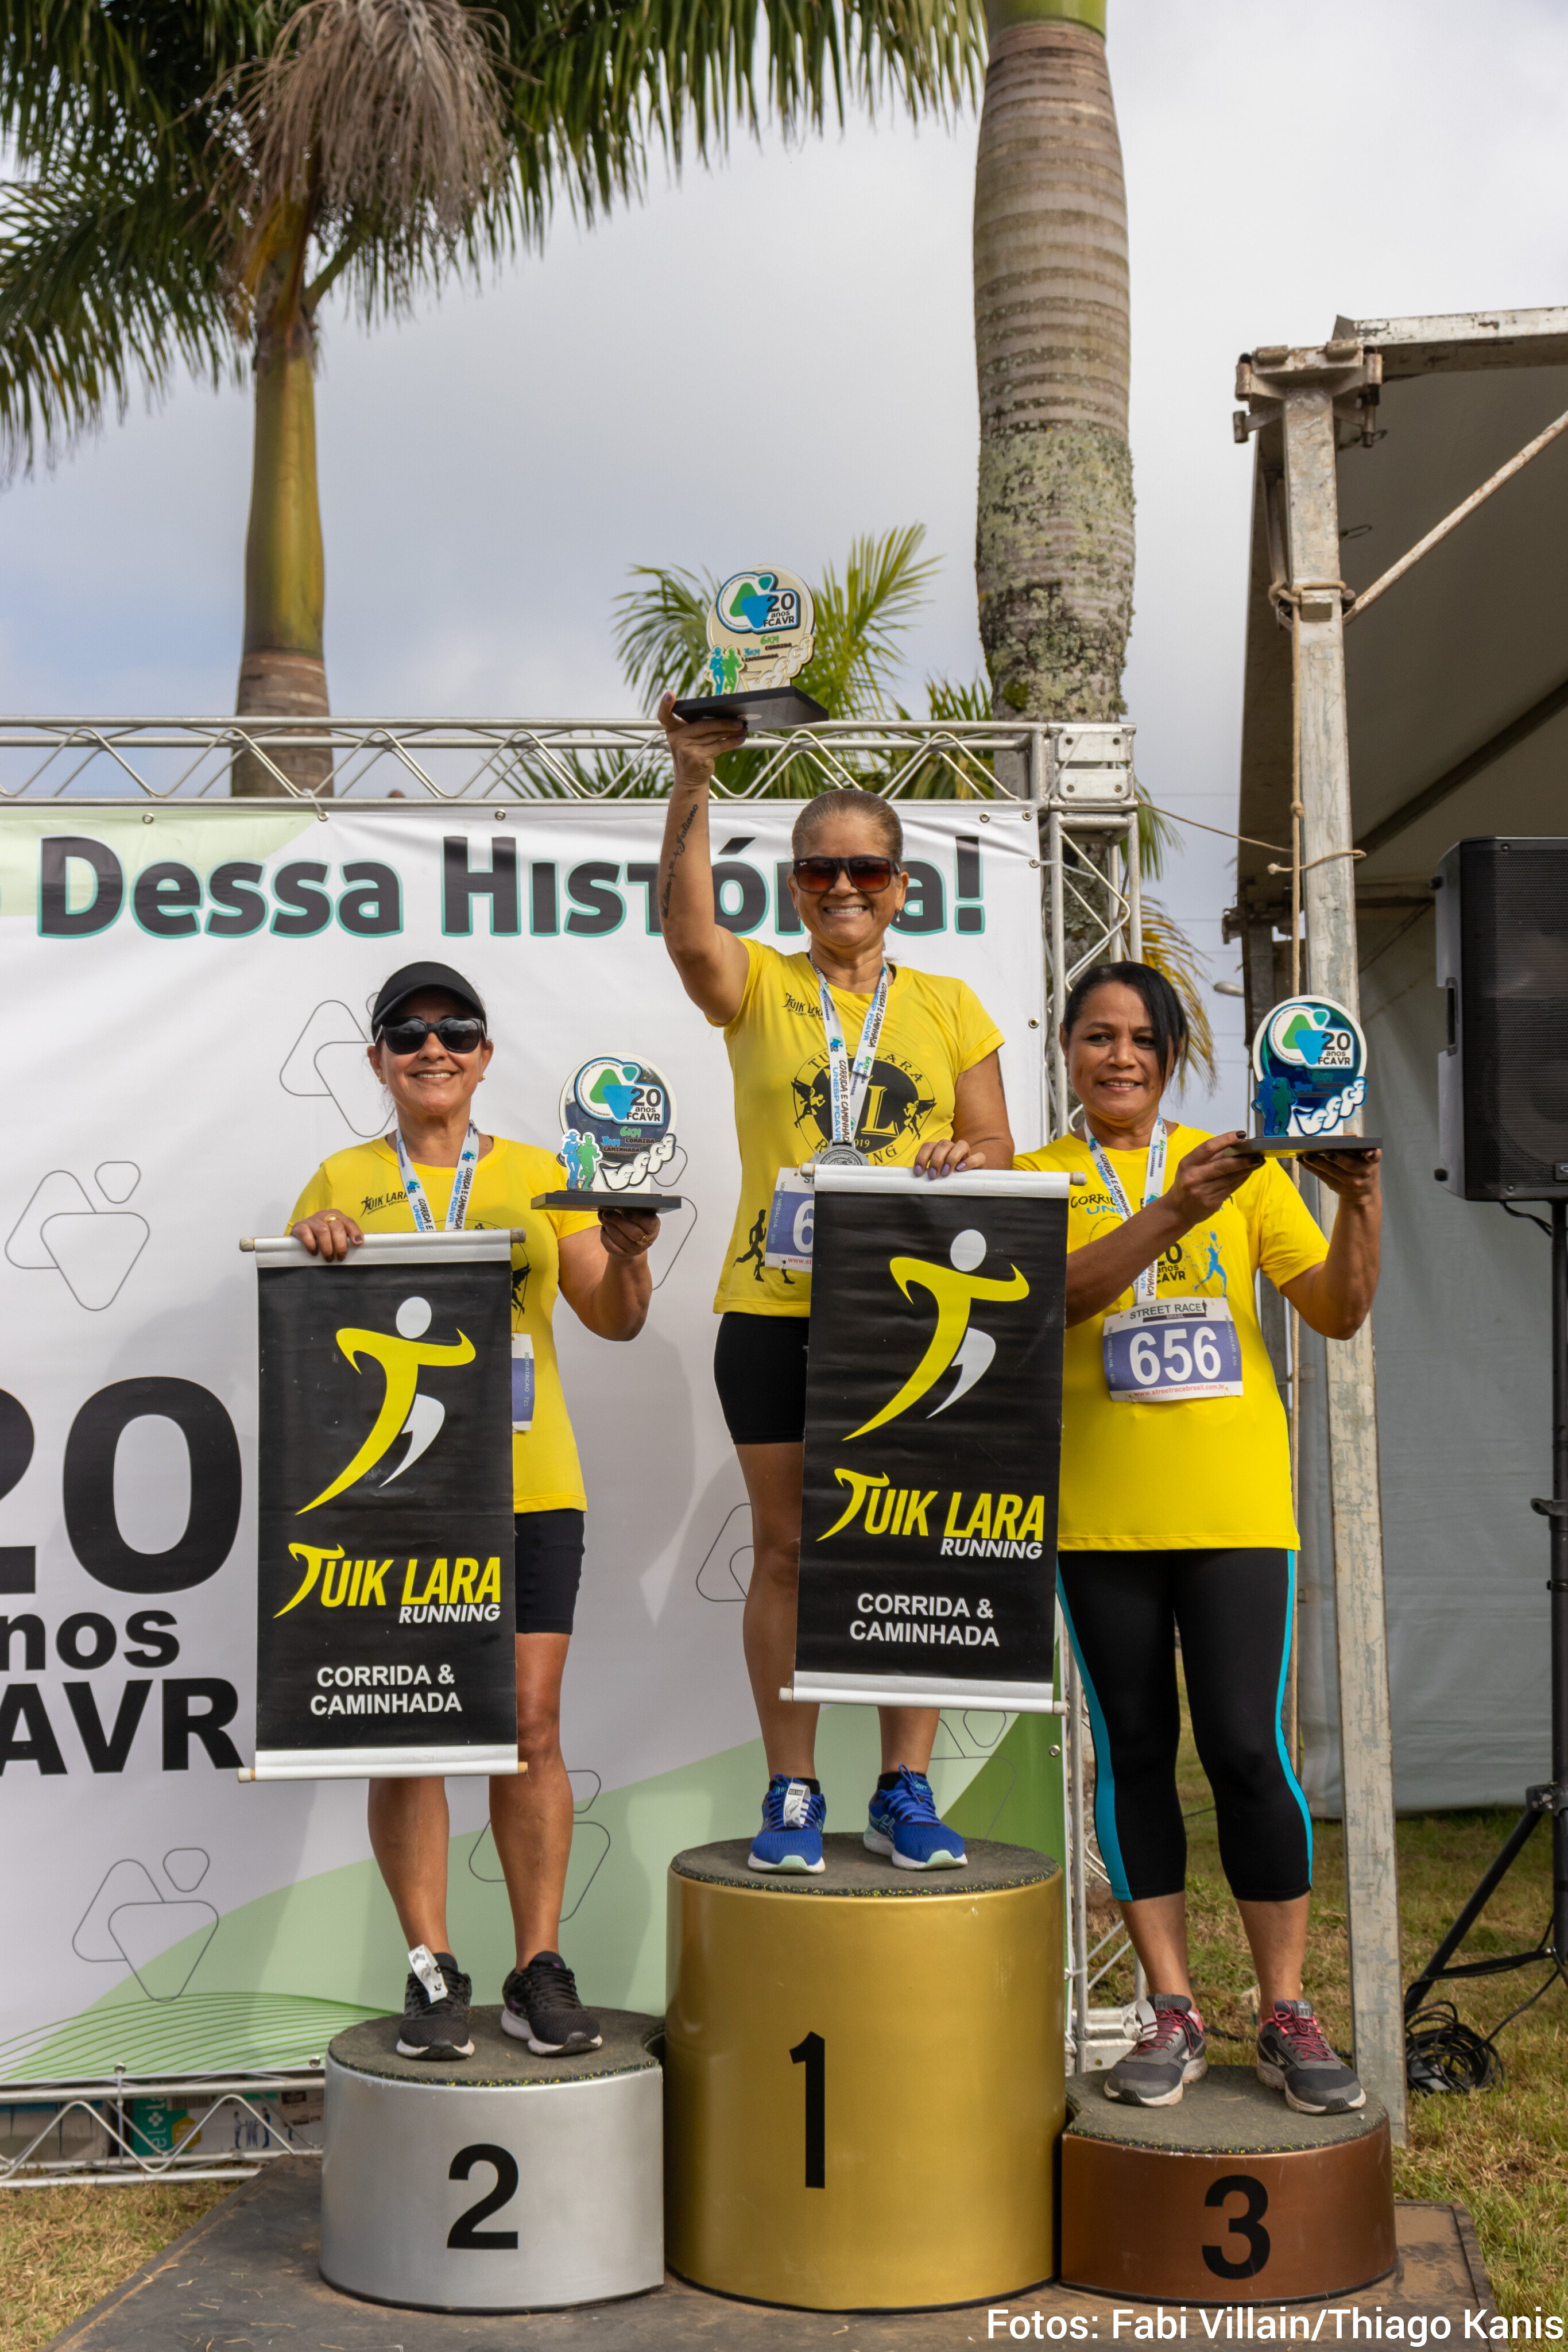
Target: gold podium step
x=863 y=2081
x=1229 y=2197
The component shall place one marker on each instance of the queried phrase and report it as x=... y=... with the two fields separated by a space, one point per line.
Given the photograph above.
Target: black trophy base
x=1309 y=1147
x=647 y=1203
x=767 y=706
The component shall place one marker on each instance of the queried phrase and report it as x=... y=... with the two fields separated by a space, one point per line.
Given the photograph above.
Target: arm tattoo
x=677 y=851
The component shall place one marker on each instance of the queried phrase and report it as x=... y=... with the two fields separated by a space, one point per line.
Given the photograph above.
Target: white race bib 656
x=1172 y=1351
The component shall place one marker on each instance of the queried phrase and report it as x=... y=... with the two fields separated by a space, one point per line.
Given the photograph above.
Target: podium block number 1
x=812 y=2054
x=463 y=2234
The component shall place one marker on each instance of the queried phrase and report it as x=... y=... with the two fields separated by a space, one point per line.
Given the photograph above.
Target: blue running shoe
x=903 y=1822
x=790 y=1837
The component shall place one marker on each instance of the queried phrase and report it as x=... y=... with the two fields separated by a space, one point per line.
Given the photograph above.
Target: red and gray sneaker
x=1293 y=2056
x=1169 y=2053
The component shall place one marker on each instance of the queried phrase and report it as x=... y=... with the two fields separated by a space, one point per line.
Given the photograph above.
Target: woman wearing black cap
x=435 y=1170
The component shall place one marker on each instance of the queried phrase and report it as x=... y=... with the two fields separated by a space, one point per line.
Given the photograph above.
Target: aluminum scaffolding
x=1077 y=780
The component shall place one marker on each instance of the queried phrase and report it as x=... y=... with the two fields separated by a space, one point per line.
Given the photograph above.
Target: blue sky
x=772 y=357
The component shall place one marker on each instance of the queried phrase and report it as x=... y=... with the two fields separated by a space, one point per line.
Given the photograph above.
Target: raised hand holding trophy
x=618 y=1129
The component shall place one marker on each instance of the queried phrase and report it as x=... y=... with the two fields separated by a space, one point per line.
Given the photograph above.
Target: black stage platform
x=245 y=2279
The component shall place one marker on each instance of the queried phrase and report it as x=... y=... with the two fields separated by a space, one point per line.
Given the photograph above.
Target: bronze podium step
x=1229 y=2197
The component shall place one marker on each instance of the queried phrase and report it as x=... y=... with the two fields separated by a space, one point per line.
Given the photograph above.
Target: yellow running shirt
x=365 y=1180
x=934 y=1029
x=1215 y=1472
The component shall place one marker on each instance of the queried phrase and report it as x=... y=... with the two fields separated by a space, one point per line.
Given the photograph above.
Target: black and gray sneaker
x=1294 y=2056
x=435 y=2004
x=1169 y=2053
x=540 y=2006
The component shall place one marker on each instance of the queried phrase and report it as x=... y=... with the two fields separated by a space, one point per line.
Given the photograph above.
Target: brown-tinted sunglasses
x=819 y=874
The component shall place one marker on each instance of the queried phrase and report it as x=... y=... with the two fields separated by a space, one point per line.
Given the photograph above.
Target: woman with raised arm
x=833 y=1049
x=1177 y=1515
x=431 y=1048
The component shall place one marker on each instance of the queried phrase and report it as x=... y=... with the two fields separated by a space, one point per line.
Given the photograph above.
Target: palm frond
x=81 y=75
x=597 y=79
x=106 y=285
x=1156 y=836
x=947 y=698
x=388 y=107
x=862 y=619
x=661 y=629
x=1170 y=951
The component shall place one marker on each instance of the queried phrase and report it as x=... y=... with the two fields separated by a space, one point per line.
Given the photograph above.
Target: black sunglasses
x=820 y=873
x=458 y=1033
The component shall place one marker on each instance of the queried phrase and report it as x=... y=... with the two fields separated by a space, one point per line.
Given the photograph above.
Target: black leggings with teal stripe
x=1234 y=1612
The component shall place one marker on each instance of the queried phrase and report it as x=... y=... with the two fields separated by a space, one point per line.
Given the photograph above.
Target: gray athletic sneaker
x=1170 y=2052
x=1294 y=2057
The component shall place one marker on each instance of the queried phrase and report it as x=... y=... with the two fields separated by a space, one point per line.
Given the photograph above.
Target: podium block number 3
x=464 y=2233
x=1247 y=2225
x=812 y=2054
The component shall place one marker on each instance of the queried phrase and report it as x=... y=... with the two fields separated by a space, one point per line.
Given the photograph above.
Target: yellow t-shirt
x=934 y=1030
x=1215 y=1472
x=365 y=1180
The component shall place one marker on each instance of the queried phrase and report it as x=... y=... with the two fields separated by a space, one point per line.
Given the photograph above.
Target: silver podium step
x=502 y=2182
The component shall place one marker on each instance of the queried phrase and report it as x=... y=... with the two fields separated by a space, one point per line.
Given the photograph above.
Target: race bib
x=522 y=1383
x=789 y=1217
x=1174 y=1351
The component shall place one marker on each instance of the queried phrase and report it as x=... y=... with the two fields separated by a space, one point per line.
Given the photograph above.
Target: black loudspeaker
x=1502 y=1076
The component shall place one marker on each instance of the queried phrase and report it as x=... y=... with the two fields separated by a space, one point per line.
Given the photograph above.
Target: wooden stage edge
x=247 y=2275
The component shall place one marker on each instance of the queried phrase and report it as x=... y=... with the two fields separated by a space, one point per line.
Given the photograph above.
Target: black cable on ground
x=1442 y=2055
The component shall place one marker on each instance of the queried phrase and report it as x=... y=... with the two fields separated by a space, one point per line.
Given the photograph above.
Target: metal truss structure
x=1079 y=780
x=1078 y=776
x=115 y=2130
x=488 y=759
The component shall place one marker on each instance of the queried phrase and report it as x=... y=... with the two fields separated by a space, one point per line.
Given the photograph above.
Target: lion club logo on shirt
x=898 y=1105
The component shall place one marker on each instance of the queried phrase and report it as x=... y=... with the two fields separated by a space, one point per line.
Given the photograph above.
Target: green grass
x=61 y=2248
x=1502 y=2153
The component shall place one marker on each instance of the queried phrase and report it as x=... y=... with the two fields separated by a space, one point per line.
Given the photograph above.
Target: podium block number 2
x=812 y=2054
x=464 y=2234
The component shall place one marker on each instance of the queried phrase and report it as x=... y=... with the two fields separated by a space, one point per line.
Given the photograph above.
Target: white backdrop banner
x=186 y=991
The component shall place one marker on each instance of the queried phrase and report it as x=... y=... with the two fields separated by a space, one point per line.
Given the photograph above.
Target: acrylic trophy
x=1309 y=1060
x=618 y=1131
x=761 y=629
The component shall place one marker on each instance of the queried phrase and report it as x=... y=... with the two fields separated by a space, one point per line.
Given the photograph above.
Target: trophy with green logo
x=1309 y=1059
x=761 y=629
x=618 y=1131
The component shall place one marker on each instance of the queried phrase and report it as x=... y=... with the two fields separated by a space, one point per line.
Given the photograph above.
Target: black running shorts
x=548 y=1556
x=759 y=1370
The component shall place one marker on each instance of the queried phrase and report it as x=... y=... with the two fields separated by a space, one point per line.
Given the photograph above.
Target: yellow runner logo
x=956 y=1288
x=401 y=1357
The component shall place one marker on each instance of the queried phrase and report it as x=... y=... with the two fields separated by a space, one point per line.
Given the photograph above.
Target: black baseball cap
x=410 y=977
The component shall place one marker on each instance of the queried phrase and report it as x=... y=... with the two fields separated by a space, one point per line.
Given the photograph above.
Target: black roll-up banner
x=933 y=1439
x=384 y=1570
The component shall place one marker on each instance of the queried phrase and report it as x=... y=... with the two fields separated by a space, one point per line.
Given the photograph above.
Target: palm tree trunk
x=1054 y=539
x=282 y=670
